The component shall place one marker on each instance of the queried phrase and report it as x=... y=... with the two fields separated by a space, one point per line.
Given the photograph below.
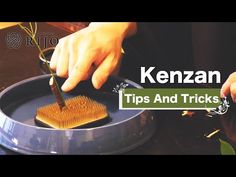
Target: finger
x=63 y=61
x=233 y=91
x=73 y=56
x=80 y=71
x=225 y=89
x=54 y=58
x=91 y=70
x=103 y=71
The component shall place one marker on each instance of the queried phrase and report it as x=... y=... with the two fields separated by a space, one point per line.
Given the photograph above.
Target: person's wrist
x=123 y=29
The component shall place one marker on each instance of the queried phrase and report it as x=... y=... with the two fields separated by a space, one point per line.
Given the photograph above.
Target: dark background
x=181 y=46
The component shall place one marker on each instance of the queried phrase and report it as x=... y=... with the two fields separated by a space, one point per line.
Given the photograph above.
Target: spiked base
x=79 y=111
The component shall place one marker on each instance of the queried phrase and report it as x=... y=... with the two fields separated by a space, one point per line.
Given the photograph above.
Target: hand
x=229 y=87
x=93 y=50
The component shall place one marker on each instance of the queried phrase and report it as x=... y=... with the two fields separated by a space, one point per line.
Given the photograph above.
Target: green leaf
x=226 y=148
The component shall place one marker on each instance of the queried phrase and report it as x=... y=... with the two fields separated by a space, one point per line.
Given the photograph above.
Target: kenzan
x=179 y=77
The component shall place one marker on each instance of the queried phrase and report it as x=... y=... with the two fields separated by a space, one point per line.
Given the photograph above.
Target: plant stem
x=40 y=50
x=32 y=34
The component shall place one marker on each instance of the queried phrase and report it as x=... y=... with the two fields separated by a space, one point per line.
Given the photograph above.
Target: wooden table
x=7 y=24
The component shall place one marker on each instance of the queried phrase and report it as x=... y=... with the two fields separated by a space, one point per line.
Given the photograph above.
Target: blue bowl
x=126 y=129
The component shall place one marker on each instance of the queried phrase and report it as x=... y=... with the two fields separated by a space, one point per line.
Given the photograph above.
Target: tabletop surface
x=174 y=135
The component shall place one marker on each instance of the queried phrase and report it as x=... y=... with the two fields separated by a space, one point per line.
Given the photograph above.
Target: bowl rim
x=6 y=90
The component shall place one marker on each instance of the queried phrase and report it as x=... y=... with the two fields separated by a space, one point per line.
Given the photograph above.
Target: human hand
x=229 y=87
x=94 y=50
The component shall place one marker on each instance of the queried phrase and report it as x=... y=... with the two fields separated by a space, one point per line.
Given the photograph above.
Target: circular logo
x=13 y=40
